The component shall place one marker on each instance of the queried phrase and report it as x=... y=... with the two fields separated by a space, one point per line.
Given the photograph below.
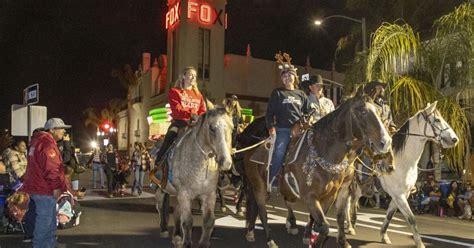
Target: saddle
x=298 y=135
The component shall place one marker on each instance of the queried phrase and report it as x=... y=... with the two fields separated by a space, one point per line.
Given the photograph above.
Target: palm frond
x=91 y=118
x=393 y=48
x=409 y=95
x=125 y=75
x=452 y=50
x=456 y=117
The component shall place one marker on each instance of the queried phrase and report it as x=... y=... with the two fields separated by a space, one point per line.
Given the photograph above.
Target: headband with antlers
x=285 y=65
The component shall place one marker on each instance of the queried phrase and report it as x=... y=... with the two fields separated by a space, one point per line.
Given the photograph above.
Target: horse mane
x=330 y=118
x=399 y=139
x=216 y=111
x=336 y=121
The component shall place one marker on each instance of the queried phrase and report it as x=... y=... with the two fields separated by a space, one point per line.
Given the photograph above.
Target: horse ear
x=431 y=107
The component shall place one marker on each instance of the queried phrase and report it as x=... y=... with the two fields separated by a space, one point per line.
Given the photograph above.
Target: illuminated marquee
x=172 y=16
x=203 y=13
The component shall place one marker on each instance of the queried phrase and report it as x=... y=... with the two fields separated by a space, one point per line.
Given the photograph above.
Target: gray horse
x=200 y=153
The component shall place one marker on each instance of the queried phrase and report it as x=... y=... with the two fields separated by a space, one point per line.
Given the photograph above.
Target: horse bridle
x=210 y=154
x=436 y=136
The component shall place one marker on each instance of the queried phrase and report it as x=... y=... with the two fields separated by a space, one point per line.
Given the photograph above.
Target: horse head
x=366 y=124
x=440 y=132
x=218 y=126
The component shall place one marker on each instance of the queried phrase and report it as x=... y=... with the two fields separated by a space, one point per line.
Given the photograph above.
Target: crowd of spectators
x=443 y=199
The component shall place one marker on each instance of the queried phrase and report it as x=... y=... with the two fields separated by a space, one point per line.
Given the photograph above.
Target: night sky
x=70 y=47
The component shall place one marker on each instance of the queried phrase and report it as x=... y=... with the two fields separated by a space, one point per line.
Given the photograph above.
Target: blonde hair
x=180 y=82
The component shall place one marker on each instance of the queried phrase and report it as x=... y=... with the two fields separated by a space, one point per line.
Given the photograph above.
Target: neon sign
x=200 y=12
x=172 y=16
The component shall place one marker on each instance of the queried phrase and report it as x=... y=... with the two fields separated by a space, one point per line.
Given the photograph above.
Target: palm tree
x=414 y=71
x=91 y=118
x=128 y=79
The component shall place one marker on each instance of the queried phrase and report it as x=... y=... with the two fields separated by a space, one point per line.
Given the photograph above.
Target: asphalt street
x=133 y=222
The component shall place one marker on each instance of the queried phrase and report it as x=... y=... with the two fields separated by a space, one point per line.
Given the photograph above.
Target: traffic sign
x=31 y=94
x=23 y=123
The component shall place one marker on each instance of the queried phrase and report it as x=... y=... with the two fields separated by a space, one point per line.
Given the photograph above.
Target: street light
x=319 y=22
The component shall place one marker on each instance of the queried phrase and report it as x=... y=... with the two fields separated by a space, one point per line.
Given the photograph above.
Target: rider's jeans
x=279 y=151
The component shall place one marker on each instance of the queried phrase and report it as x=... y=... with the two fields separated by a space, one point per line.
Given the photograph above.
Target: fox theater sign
x=197 y=11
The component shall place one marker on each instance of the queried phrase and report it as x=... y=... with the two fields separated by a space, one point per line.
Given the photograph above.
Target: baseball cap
x=313 y=79
x=55 y=123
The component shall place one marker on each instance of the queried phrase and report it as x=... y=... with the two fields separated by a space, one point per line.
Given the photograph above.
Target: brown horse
x=320 y=167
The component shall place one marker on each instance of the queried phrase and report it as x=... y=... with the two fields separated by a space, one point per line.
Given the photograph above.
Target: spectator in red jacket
x=186 y=103
x=45 y=181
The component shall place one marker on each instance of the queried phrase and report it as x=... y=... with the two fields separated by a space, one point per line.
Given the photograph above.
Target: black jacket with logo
x=285 y=107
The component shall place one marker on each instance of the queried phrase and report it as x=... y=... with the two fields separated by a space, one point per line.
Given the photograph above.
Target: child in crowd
x=465 y=202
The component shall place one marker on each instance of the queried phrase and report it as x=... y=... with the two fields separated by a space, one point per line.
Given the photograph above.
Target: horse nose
x=225 y=164
x=454 y=140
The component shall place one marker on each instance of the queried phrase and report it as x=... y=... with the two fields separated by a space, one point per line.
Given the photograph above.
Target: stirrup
x=294 y=188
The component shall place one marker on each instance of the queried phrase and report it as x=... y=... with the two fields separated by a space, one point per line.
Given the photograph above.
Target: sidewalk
x=85 y=180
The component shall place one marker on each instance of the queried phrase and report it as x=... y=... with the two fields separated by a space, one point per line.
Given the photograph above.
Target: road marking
x=366 y=217
x=391 y=230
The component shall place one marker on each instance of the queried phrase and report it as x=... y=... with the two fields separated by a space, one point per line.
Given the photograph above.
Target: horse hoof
x=223 y=209
x=386 y=240
x=421 y=245
x=347 y=245
x=240 y=213
x=292 y=231
x=177 y=241
x=272 y=244
x=164 y=235
x=250 y=236
x=351 y=231
x=306 y=241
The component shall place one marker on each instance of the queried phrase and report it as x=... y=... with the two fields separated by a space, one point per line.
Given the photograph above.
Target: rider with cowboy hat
x=376 y=90
x=313 y=86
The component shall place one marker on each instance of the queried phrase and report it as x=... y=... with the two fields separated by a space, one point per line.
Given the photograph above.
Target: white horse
x=198 y=156
x=408 y=144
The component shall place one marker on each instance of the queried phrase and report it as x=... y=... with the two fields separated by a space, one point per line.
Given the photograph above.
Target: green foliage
x=453 y=46
x=408 y=96
x=393 y=47
x=456 y=117
x=415 y=71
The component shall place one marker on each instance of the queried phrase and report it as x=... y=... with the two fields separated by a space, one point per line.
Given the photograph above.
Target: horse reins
x=235 y=151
